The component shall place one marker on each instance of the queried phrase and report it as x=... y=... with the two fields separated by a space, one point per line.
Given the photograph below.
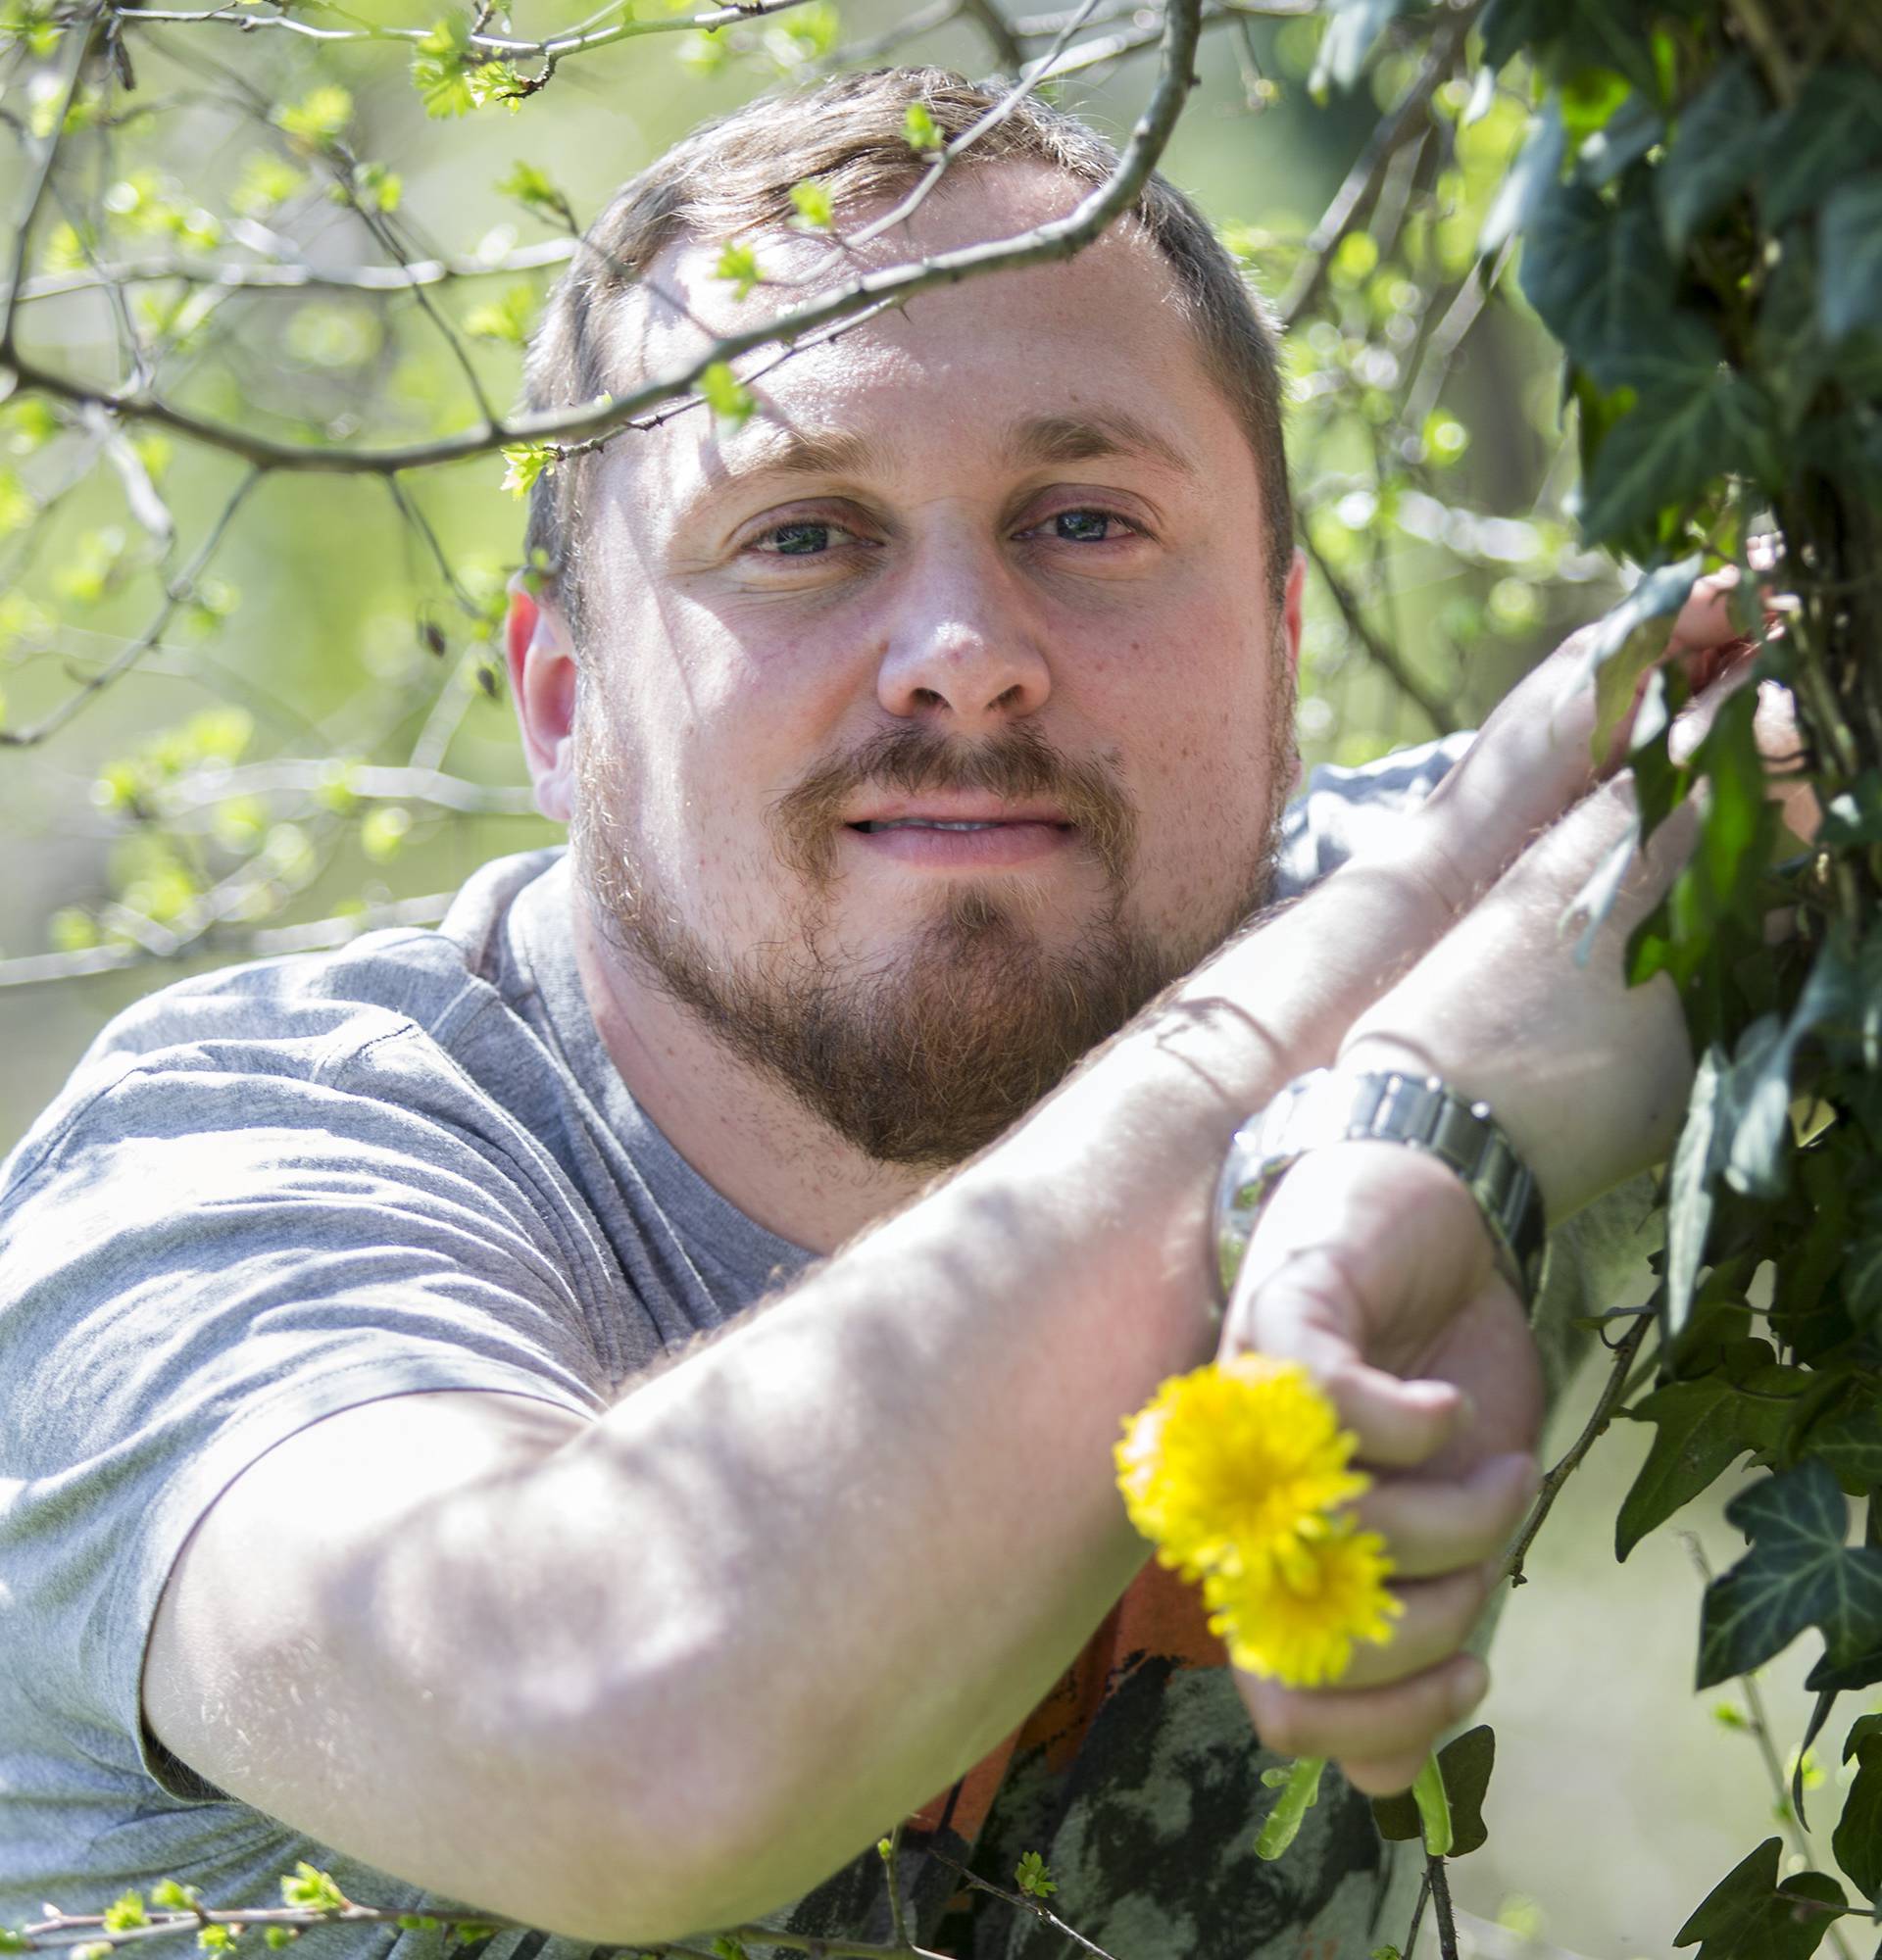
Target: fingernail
x=1469 y=1684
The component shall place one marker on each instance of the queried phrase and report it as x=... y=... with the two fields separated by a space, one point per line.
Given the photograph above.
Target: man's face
x=934 y=719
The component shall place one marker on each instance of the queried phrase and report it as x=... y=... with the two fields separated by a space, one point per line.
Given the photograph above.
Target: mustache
x=1017 y=766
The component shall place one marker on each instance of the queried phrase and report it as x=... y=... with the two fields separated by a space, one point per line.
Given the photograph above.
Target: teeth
x=927 y=823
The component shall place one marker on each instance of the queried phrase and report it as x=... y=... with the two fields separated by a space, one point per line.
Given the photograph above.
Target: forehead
x=1104 y=334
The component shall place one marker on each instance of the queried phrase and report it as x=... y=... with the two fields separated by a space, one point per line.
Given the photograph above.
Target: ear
x=541 y=657
x=1290 y=609
x=1291 y=596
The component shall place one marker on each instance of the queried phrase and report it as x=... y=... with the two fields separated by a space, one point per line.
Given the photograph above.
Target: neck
x=748 y=1138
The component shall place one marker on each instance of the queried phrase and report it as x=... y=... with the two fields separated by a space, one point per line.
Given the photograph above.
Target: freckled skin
x=1120 y=605
x=723 y=680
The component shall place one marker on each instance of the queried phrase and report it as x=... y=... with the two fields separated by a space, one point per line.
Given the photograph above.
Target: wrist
x=1408 y=1107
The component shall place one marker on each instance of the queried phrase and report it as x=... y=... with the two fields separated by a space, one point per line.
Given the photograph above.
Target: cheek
x=1202 y=761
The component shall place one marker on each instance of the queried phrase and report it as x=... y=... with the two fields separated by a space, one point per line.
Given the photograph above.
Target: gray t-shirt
x=291 y=1187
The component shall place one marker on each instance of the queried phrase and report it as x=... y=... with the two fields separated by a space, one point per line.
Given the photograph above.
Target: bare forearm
x=1588 y=1075
x=878 y=1520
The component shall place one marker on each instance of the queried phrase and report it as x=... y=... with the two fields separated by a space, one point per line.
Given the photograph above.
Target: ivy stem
x=1441 y=1908
x=1758 y=1722
x=1297 y=1794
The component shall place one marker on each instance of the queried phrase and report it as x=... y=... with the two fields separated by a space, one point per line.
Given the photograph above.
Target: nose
x=964 y=649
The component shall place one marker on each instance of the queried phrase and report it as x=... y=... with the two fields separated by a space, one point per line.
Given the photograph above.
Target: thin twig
x=370 y=782
x=998 y=29
x=898 y=1916
x=1392 y=129
x=81 y=38
x=1755 y=24
x=1441 y=1909
x=1027 y=1902
x=1417 y=1914
x=1055 y=240
x=293 y=277
x=1759 y=1722
x=176 y=592
x=504 y=46
x=993 y=117
x=1611 y=1394
x=1382 y=655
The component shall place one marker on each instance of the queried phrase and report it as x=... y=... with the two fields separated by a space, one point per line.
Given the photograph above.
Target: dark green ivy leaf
x=1623 y=139
x=1855 y=816
x=1596 y=273
x=1798 y=1573
x=1864 y=1727
x=1833 y=129
x=1749 y=1916
x=1629 y=638
x=1851 y=1443
x=1857 y=1842
x=1709 y=160
x=1512 y=27
x=1466 y=1763
x=1693 y=422
x=1862 y=1281
x=1699 y=1428
x=1689 y=1189
x=1844 y=1676
x=1849 y=259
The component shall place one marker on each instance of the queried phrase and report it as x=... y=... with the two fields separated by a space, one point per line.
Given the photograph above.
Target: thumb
x=1347 y=1273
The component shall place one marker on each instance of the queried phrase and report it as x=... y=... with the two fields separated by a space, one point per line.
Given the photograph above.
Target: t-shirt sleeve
x=1342 y=811
x=218 y=1247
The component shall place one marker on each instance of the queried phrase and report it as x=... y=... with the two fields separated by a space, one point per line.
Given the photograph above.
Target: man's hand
x=1371 y=1264
x=1378 y=1274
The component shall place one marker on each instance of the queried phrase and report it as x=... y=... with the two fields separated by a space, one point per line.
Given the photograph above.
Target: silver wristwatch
x=1326 y=1107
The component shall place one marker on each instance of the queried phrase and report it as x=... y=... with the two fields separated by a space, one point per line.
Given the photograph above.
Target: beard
x=927 y=1055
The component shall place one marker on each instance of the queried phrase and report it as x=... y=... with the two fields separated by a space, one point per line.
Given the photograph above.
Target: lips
x=976 y=842
x=874 y=827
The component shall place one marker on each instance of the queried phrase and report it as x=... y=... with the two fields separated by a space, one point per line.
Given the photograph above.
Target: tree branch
x=81 y=38
x=176 y=592
x=1384 y=656
x=1029 y=81
x=1039 y=1909
x=1612 y=1396
x=293 y=277
x=987 y=16
x=1058 y=239
x=505 y=46
x=1394 y=128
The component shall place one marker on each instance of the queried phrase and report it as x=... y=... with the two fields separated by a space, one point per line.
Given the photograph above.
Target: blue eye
x=800 y=540
x=1082 y=526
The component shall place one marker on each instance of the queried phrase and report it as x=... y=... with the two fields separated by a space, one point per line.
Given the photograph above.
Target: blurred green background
x=231 y=791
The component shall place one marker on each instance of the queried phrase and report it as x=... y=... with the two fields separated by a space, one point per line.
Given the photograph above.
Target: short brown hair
x=735 y=176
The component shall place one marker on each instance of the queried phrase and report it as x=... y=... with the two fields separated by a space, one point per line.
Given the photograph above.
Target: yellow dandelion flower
x=1218 y=1468
x=1295 y=1616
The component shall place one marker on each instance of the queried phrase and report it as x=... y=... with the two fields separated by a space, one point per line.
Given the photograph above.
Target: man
x=913 y=735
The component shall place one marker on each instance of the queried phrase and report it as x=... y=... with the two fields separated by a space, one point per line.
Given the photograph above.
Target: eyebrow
x=1041 y=440
x=771 y=449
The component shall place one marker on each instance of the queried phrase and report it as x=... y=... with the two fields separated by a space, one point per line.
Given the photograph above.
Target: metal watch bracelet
x=1326 y=1107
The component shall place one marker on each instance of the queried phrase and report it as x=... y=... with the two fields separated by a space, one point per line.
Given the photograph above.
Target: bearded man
x=376 y=1501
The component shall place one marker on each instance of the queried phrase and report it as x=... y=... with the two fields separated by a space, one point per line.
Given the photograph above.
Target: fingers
x=1372 y=1733
x=1435 y=1526
x=1438 y=1616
